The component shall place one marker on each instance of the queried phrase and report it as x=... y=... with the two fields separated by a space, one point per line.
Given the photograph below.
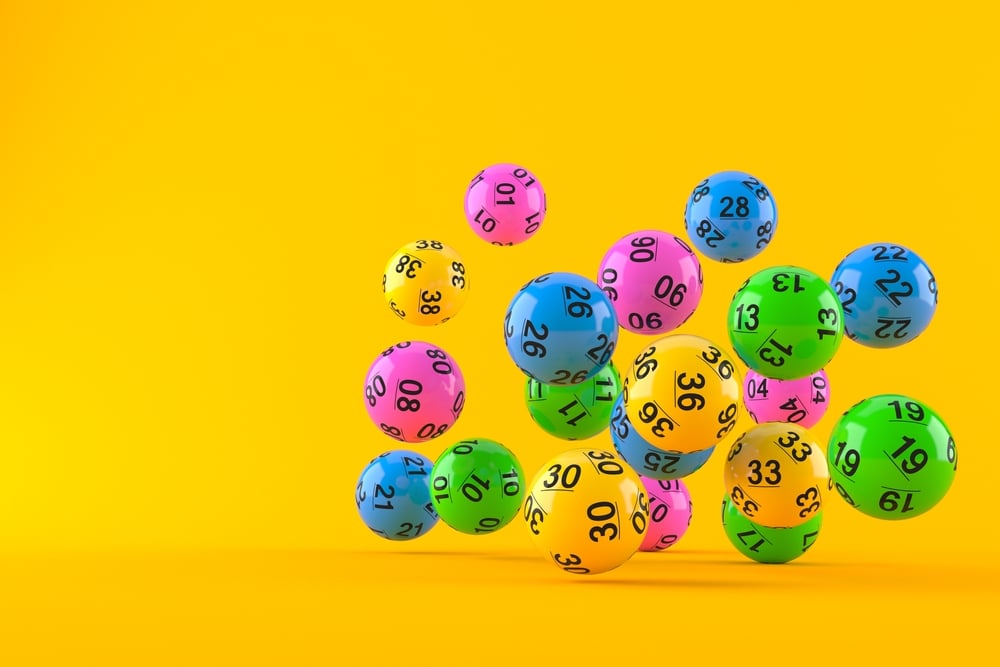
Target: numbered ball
x=574 y=412
x=505 y=204
x=587 y=511
x=560 y=329
x=654 y=281
x=414 y=391
x=768 y=545
x=646 y=459
x=774 y=474
x=888 y=293
x=891 y=457
x=730 y=216
x=682 y=393
x=477 y=486
x=785 y=322
x=802 y=401
x=425 y=282
x=393 y=495
x=670 y=512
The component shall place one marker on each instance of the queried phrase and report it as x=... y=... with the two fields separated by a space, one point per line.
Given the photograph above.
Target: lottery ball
x=785 y=322
x=682 y=393
x=393 y=495
x=587 y=511
x=574 y=412
x=560 y=328
x=774 y=473
x=505 y=204
x=654 y=281
x=802 y=401
x=768 y=545
x=477 y=486
x=670 y=512
x=730 y=216
x=425 y=283
x=891 y=457
x=646 y=459
x=888 y=294
x=414 y=391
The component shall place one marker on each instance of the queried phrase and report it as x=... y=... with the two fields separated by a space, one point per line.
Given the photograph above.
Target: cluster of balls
x=589 y=509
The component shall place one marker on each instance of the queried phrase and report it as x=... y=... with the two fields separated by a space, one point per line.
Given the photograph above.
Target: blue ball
x=730 y=216
x=646 y=459
x=393 y=495
x=561 y=329
x=888 y=293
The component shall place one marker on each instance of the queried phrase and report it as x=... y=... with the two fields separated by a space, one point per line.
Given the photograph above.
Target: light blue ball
x=561 y=328
x=730 y=216
x=646 y=459
x=888 y=293
x=393 y=495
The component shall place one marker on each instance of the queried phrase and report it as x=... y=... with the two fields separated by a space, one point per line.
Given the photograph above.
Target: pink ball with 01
x=654 y=281
x=802 y=401
x=505 y=204
x=669 y=513
x=414 y=391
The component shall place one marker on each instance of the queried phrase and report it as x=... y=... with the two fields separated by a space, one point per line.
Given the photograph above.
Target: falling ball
x=802 y=401
x=414 y=391
x=670 y=513
x=393 y=495
x=785 y=322
x=774 y=475
x=505 y=204
x=574 y=412
x=477 y=486
x=425 y=283
x=730 y=216
x=888 y=293
x=892 y=457
x=768 y=545
x=560 y=329
x=586 y=511
x=654 y=281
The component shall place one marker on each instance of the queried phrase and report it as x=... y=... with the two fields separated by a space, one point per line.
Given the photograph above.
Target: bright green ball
x=578 y=411
x=891 y=457
x=785 y=322
x=477 y=486
x=768 y=545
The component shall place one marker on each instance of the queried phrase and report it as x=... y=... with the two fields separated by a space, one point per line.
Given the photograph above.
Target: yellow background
x=196 y=203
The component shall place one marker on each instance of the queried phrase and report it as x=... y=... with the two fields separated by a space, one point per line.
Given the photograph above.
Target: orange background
x=196 y=204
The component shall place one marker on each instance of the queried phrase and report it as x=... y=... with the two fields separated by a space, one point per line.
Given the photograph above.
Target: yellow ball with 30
x=775 y=474
x=587 y=509
x=425 y=282
x=682 y=393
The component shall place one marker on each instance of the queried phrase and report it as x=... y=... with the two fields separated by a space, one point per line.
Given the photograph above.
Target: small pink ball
x=414 y=391
x=802 y=401
x=654 y=281
x=669 y=513
x=505 y=204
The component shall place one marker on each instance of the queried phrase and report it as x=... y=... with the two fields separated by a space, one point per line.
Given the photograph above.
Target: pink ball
x=669 y=513
x=802 y=401
x=505 y=204
x=653 y=279
x=414 y=391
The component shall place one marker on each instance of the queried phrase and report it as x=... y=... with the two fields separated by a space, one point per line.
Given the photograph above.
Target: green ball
x=768 y=545
x=891 y=457
x=785 y=322
x=574 y=412
x=477 y=486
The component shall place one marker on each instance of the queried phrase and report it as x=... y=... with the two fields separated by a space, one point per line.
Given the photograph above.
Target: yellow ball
x=425 y=282
x=682 y=393
x=774 y=474
x=587 y=510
